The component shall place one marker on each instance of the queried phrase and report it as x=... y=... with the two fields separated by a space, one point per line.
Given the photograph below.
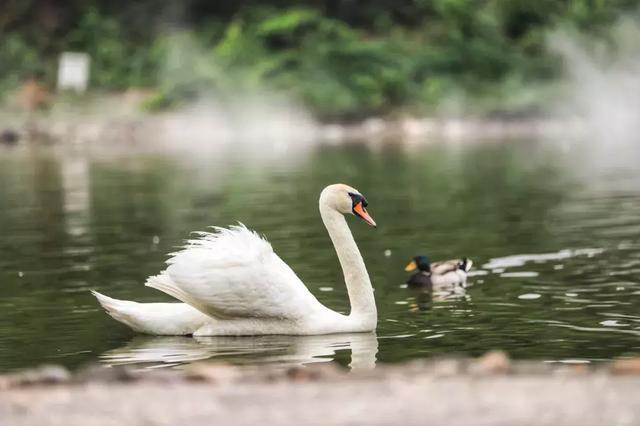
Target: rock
x=447 y=367
x=493 y=362
x=9 y=137
x=44 y=375
x=581 y=369
x=211 y=372
x=531 y=368
x=326 y=371
x=97 y=373
x=625 y=366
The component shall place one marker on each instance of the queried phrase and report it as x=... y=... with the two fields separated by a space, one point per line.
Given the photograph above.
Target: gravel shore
x=487 y=392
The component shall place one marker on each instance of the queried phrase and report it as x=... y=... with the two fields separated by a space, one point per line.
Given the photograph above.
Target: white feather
x=233 y=273
x=154 y=318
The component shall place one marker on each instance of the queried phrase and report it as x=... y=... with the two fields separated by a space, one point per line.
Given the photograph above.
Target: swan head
x=346 y=200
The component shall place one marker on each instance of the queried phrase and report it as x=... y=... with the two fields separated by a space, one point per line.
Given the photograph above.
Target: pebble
x=96 y=373
x=625 y=366
x=9 y=137
x=211 y=372
x=314 y=373
x=447 y=367
x=44 y=375
x=493 y=362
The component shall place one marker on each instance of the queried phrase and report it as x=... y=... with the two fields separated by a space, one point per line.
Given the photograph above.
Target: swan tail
x=164 y=283
x=153 y=318
x=121 y=310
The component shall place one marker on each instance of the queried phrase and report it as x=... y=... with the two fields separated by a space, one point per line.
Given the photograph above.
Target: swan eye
x=358 y=198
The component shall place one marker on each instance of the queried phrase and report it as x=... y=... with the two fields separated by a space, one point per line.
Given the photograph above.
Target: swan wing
x=234 y=273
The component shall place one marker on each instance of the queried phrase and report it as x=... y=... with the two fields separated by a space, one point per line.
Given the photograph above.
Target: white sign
x=73 y=71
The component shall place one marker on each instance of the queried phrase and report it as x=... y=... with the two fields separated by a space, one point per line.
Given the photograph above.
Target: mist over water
x=224 y=105
x=603 y=91
x=258 y=124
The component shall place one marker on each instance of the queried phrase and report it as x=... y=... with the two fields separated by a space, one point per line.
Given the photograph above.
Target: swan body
x=231 y=282
x=438 y=274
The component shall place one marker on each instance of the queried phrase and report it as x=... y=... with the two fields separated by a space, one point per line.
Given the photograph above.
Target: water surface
x=554 y=238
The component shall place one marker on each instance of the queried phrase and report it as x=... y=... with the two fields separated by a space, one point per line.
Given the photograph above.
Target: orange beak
x=412 y=266
x=361 y=212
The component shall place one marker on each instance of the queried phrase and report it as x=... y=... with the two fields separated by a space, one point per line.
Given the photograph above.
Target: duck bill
x=412 y=266
x=361 y=212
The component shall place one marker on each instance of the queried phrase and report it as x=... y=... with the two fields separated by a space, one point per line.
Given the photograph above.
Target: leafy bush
x=17 y=61
x=342 y=62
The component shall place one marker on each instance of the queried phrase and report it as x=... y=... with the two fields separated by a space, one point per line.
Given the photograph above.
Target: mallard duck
x=438 y=274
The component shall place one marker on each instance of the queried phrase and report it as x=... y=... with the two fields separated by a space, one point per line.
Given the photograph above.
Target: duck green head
x=419 y=262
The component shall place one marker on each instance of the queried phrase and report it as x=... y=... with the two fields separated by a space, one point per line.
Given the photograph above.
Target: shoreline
x=489 y=390
x=213 y=127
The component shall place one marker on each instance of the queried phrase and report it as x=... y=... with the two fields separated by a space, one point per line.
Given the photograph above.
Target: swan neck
x=355 y=272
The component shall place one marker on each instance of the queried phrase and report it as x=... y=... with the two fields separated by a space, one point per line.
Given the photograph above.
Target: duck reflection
x=425 y=298
x=154 y=352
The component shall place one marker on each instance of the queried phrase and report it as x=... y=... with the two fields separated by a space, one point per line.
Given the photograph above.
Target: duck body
x=438 y=274
x=232 y=283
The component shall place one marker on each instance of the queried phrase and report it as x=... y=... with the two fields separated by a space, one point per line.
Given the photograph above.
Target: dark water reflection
x=556 y=247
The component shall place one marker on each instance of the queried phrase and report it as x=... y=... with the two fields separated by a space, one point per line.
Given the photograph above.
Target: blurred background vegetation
x=344 y=59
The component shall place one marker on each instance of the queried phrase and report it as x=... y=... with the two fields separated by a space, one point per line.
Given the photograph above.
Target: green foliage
x=330 y=65
x=116 y=63
x=17 y=61
x=346 y=62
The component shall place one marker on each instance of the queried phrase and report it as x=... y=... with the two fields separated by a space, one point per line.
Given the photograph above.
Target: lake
x=553 y=231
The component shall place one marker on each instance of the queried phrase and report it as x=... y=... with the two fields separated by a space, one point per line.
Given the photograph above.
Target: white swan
x=232 y=283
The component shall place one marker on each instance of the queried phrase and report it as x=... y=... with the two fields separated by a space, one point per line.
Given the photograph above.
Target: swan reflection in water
x=169 y=351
